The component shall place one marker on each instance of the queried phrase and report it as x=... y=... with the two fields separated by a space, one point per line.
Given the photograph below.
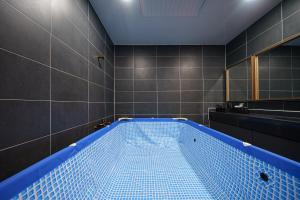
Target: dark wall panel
x=282 y=22
x=169 y=81
x=53 y=90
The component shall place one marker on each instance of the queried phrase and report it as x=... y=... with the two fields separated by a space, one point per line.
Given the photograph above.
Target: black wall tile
x=68 y=88
x=214 y=61
x=192 y=108
x=236 y=56
x=168 y=73
x=21 y=121
x=144 y=97
x=124 y=73
x=96 y=93
x=96 y=75
x=67 y=32
x=264 y=40
x=21 y=78
x=39 y=11
x=124 y=62
x=144 y=62
x=167 y=50
x=192 y=96
x=211 y=50
x=145 y=108
x=168 y=62
x=18 y=158
x=270 y=19
x=124 y=51
x=66 y=138
x=82 y=91
x=109 y=95
x=192 y=85
x=145 y=51
x=191 y=61
x=124 y=85
x=96 y=40
x=289 y=7
x=213 y=85
x=65 y=59
x=94 y=20
x=191 y=73
x=266 y=31
x=166 y=76
x=168 y=108
x=35 y=41
x=96 y=111
x=168 y=85
x=145 y=73
x=188 y=51
x=168 y=97
x=236 y=43
x=124 y=96
x=214 y=96
x=124 y=108
x=65 y=115
x=291 y=25
x=145 y=85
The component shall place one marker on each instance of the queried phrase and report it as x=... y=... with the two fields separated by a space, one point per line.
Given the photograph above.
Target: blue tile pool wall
x=52 y=88
x=282 y=22
x=186 y=163
x=168 y=81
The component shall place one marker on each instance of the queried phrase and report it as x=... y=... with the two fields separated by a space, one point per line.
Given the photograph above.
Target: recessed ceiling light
x=127 y=1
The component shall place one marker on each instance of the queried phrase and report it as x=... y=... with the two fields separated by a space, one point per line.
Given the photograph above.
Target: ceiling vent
x=172 y=8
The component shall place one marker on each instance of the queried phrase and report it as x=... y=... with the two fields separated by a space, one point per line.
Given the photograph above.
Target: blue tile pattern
x=162 y=160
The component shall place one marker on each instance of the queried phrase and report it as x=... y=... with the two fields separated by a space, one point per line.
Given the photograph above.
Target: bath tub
x=157 y=159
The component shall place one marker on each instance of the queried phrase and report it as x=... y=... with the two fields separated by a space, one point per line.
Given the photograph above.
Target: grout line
x=29 y=141
x=166 y=102
x=29 y=100
x=269 y=72
x=105 y=82
x=203 y=82
x=156 y=81
x=7 y=148
x=88 y=60
x=114 y=83
x=51 y=32
x=292 y=72
x=281 y=17
x=48 y=66
x=50 y=79
x=133 y=106
x=129 y=91
x=8 y=51
x=199 y=79
x=269 y=110
x=180 y=104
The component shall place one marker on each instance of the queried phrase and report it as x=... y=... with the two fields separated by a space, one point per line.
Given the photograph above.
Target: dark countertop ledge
x=279 y=126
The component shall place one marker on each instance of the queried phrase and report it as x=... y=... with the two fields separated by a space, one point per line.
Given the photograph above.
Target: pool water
x=163 y=160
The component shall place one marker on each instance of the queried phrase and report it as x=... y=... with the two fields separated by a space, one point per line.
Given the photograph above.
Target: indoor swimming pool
x=157 y=159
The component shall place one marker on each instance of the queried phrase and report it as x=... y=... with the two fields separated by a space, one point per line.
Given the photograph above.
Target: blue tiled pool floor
x=162 y=160
x=158 y=171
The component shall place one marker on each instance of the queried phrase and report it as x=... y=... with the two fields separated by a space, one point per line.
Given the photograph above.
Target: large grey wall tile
x=21 y=78
x=22 y=36
x=21 y=121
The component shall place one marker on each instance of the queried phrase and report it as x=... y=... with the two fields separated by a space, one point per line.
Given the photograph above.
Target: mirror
x=279 y=72
x=239 y=81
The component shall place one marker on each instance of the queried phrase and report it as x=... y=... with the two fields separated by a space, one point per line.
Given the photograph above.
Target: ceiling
x=172 y=22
